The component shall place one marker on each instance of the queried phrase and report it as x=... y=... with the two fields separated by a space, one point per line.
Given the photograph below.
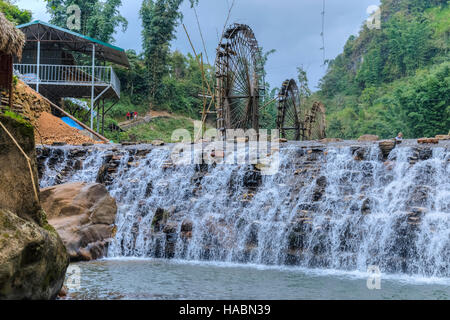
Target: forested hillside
x=396 y=78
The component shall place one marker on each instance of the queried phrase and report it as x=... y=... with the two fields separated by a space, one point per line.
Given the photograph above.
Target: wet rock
x=170 y=227
x=84 y=215
x=389 y=165
x=159 y=219
x=148 y=189
x=186 y=226
x=102 y=174
x=158 y=143
x=369 y=137
x=108 y=157
x=252 y=235
x=322 y=182
x=186 y=235
x=359 y=154
x=252 y=179
x=63 y=292
x=330 y=140
x=386 y=146
x=143 y=152
x=295 y=239
x=418 y=196
x=428 y=141
x=366 y=206
x=300 y=152
x=425 y=154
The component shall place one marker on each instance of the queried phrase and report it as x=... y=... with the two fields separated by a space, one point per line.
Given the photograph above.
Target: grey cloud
x=292 y=27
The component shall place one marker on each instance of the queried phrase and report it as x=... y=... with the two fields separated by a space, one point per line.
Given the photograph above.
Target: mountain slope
x=393 y=79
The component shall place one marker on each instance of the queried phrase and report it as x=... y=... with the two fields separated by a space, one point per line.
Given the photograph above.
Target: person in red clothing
x=128 y=116
x=135 y=115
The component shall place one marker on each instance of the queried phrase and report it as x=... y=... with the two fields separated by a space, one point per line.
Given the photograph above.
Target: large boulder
x=33 y=259
x=15 y=178
x=84 y=216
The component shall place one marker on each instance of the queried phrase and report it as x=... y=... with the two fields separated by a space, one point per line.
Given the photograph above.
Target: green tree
x=303 y=83
x=99 y=19
x=13 y=13
x=394 y=78
x=159 y=20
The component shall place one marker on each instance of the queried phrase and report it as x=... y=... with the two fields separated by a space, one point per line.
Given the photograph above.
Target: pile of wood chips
x=51 y=129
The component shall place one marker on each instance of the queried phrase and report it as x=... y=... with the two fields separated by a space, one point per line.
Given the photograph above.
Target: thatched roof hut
x=12 y=39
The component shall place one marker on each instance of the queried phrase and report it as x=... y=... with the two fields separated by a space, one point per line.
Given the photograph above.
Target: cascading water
x=336 y=207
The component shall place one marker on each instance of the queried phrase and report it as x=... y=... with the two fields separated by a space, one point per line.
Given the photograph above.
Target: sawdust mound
x=52 y=129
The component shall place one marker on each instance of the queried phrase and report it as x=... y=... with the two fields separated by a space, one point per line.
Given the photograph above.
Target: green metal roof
x=118 y=57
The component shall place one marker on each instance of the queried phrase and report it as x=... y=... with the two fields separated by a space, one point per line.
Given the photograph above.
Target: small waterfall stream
x=325 y=208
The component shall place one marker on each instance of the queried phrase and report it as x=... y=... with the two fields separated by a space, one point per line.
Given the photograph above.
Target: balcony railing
x=68 y=75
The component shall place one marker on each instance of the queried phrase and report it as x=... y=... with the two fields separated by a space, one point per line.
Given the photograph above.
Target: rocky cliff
x=33 y=260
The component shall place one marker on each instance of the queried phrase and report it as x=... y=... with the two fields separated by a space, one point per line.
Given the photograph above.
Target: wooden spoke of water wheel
x=288 y=105
x=239 y=77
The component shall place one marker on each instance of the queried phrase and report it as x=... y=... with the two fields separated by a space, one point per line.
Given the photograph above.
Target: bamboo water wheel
x=288 y=117
x=239 y=76
x=297 y=121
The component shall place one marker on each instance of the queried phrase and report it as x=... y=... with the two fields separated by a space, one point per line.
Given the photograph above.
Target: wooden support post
x=93 y=86
x=11 y=88
x=38 y=64
x=103 y=117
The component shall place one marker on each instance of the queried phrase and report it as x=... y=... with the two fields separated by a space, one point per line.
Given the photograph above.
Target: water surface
x=157 y=279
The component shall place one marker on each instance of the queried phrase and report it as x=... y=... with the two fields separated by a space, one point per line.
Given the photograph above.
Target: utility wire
x=323 y=33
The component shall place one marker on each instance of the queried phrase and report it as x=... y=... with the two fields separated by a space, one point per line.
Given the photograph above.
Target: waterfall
x=336 y=207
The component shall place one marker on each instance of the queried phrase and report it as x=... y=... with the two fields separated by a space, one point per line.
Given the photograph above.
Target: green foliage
x=99 y=19
x=133 y=79
x=183 y=84
x=159 y=19
x=303 y=83
x=158 y=129
x=392 y=79
x=13 y=13
x=419 y=106
x=268 y=111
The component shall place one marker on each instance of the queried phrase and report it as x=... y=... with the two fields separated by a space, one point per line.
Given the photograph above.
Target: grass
x=158 y=129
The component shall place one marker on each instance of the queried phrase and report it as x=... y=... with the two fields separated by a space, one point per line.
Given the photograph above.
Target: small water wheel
x=288 y=116
x=239 y=76
x=315 y=122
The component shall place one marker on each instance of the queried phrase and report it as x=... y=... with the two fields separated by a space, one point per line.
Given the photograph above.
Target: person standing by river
x=399 y=138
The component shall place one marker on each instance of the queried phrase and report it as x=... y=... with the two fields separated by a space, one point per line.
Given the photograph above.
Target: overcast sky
x=292 y=27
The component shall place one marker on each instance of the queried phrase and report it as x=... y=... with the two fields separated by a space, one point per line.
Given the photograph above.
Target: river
x=159 y=279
